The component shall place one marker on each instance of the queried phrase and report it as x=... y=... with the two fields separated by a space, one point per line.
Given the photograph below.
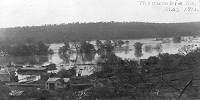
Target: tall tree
x=138 y=49
x=86 y=47
x=63 y=50
x=42 y=49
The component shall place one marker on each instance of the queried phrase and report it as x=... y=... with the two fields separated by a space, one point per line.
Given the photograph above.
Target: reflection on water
x=152 y=47
x=138 y=50
x=88 y=57
x=148 y=48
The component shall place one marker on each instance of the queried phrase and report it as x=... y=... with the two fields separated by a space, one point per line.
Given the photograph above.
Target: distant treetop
x=95 y=31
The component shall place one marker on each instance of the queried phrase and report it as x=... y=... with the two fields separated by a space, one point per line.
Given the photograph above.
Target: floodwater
x=150 y=47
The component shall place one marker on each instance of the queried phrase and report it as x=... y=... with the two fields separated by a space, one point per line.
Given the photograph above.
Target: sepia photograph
x=99 y=49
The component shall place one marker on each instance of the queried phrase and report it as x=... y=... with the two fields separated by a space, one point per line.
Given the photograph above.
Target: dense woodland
x=96 y=31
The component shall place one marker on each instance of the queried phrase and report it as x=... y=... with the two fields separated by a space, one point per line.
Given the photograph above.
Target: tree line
x=26 y=49
x=96 y=31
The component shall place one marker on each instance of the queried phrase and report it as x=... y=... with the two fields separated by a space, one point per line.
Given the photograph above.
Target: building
x=29 y=74
x=56 y=83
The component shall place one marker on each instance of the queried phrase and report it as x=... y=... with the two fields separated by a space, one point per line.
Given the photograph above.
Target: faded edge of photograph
x=99 y=49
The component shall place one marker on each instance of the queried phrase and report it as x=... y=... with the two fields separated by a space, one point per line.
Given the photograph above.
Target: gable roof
x=32 y=69
x=66 y=80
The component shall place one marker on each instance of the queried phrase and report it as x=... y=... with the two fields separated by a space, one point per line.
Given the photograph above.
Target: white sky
x=39 y=12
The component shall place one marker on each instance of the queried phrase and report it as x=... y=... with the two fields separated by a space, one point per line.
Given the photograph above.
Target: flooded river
x=150 y=47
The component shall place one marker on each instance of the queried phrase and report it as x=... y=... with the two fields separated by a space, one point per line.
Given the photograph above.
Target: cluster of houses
x=29 y=76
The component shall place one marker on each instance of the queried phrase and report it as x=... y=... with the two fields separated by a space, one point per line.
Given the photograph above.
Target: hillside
x=93 y=31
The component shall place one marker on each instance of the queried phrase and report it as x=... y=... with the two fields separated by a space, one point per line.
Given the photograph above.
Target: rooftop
x=66 y=79
x=33 y=68
x=53 y=79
